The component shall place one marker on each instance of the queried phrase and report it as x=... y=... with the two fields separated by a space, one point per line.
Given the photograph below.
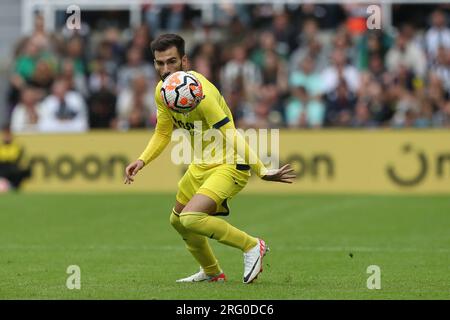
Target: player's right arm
x=157 y=143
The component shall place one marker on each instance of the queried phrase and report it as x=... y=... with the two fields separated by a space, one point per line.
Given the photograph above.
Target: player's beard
x=164 y=76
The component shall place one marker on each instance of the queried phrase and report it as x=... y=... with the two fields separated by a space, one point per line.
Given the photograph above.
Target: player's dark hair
x=166 y=41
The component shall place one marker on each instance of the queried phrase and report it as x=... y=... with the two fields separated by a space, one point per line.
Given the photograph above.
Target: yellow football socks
x=198 y=246
x=218 y=229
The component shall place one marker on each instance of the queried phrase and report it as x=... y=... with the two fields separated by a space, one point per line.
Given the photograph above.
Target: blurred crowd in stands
x=303 y=66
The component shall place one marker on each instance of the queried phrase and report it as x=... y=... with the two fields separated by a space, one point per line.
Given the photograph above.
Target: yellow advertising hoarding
x=326 y=161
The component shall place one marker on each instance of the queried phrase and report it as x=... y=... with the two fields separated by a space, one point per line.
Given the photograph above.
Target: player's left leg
x=197 y=217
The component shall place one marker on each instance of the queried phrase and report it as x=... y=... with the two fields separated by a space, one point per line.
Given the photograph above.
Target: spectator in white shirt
x=240 y=70
x=438 y=35
x=441 y=67
x=25 y=116
x=340 y=69
x=408 y=54
x=63 y=110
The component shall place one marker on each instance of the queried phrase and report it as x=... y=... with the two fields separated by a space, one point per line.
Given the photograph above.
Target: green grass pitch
x=321 y=246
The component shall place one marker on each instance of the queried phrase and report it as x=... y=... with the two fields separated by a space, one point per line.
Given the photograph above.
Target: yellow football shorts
x=220 y=183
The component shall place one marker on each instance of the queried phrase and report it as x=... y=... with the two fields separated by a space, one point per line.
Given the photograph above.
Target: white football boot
x=253 y=261
x=202 y=276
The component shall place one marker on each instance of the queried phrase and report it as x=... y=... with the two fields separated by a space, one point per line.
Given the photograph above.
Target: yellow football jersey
x=211 y=113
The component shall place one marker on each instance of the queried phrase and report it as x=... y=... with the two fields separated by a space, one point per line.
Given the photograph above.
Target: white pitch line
x=143 y=248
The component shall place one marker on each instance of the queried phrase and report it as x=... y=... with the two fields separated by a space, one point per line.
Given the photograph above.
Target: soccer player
x=11 y=154
x=204 y=189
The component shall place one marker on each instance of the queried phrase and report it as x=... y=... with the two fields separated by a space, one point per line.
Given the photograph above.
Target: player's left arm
x=216 y=118
x=284 y=174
